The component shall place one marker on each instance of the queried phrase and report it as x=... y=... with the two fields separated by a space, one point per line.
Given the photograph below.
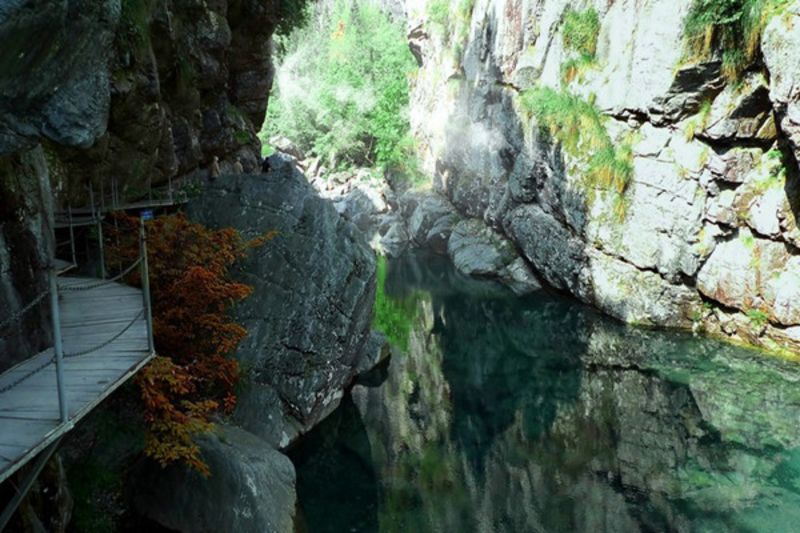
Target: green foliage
x=574 y=67
x=699 y=122
x=581 y=30
x=293 y=14
x=580 y=128
x=344 y=96
x=451 y=20
x=394 y=317
x=242 y=137
x=758 y=318
x=438 y=12
x=730 y=27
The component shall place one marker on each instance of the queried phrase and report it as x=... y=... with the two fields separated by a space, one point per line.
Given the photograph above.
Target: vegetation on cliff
x=579 y=126
x=344 y=97
x=731 y=28
x=580 y=33
x=195 y=374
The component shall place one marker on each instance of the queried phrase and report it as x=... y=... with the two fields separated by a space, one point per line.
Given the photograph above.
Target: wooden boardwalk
x=29 y=411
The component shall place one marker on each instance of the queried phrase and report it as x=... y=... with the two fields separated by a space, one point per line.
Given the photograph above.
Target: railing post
x=71 y=236
x=57 y=347
x=98 y=219
x=102 y=251
x=148 y=312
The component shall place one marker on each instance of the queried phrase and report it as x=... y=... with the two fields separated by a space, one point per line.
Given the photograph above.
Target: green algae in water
x=394 y=316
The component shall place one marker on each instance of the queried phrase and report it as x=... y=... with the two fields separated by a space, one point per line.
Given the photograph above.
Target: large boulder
x=430 y=219
x=251 y=488
x=310 y=312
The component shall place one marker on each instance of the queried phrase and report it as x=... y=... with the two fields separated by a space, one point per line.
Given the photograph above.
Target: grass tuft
x=581 y=30
x=580 y=128
x=731 y=28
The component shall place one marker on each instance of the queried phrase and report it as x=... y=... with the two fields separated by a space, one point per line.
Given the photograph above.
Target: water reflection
x=536 y=414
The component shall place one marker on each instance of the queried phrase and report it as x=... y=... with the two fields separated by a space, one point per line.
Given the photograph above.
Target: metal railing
x=53 y=291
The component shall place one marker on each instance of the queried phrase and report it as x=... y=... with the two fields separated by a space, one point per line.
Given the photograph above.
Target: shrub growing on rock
x=580 y=128
x=581 y=30
x=194 y=374
x=731 y=28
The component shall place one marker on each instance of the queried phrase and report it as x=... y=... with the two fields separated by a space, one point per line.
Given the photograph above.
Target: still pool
x=536 y=414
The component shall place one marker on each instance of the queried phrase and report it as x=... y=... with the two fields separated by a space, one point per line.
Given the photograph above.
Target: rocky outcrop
x=712 y=164
x=478 y=251
x=26 y=229
x=116 y=95
x=251 y=489
x=310 y=312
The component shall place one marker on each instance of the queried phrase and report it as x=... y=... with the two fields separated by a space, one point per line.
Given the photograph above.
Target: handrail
x=77 y=288
x=15 y=317
x=53 y=292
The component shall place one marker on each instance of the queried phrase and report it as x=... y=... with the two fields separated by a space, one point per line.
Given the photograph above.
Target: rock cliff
x=122 y=94
x=132 y=95
x=704 y=231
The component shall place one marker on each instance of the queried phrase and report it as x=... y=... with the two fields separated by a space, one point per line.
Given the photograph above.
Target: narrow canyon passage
x=492 y=266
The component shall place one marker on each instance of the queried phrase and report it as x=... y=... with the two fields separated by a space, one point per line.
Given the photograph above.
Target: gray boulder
x=310 y=312
x=251 y=488
x=286 y=146
x=476 y=250
x=742 y=112
x=431 y=220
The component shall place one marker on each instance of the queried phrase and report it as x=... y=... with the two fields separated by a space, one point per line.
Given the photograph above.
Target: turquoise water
x=538 y=414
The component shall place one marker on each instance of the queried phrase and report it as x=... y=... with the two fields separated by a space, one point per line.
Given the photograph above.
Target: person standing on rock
x=213 y=172
x=238 y=168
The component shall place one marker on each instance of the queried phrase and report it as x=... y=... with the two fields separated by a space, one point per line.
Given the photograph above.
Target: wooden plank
x=20 y=432
x=29 y=412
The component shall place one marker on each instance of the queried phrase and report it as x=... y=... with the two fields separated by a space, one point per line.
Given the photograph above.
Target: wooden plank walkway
x=86 y=212
x=29 y=412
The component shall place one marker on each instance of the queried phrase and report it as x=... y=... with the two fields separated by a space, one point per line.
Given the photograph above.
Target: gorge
x=585 y=305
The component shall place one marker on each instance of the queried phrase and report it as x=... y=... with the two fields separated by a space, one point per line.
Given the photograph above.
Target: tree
x=192 y=291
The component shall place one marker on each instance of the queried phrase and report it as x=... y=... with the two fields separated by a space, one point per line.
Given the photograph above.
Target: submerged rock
x=309 y=316
x=251 y=488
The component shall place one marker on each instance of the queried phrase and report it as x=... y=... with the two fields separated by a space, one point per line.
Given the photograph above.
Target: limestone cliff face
x=138 y=91
x=709 y=235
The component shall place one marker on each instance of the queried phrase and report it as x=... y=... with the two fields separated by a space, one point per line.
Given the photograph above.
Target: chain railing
x=17 y=316
x=58 y=351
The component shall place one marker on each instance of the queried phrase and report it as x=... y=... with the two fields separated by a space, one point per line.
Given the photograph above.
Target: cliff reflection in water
x=537 y=414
